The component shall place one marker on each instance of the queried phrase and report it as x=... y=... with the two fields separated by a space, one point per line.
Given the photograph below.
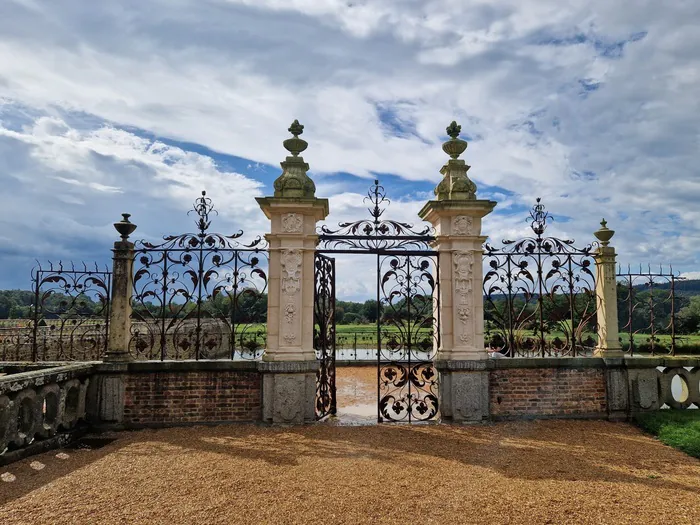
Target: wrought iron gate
x=407 y=314
x=324 y=334
x=407 y=340
x=540 y=294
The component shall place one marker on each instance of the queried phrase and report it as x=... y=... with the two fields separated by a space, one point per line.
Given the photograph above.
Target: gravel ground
x=525 y=472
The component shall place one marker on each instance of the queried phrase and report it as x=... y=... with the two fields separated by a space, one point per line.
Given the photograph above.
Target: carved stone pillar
x=456 y=216
x=606 y=294
x=122 y=290
x=293 y=211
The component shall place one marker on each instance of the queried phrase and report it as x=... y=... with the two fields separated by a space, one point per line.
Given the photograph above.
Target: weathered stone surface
x=644 y=385
x=111 y=398
x=465 y=396
x=289 y=398
x=617 y=390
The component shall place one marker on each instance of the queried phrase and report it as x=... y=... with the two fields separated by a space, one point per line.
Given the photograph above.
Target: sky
x=138 y=106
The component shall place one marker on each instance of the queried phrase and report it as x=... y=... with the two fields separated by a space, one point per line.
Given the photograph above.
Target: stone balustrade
x=653 y=384
x=37 y=404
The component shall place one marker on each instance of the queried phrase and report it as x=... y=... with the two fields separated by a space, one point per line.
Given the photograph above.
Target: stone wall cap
x=470 y=364
x=289 y=367
x=189 y=365
x=53 y=374
x=549 y=362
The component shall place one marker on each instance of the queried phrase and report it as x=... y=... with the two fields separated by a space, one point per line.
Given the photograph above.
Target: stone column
x=606 y=293
x=289 y=383
x=122 y=289
x=456 y=216
x=107 y=389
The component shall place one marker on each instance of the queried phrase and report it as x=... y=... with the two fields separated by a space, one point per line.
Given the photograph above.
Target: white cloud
x=65 y=187
x=231 y=75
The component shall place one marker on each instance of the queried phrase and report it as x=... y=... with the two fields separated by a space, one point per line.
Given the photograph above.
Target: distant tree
x=689 y=316
x=352 y=318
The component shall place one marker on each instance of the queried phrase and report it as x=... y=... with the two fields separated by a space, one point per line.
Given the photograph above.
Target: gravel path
x=534 y=472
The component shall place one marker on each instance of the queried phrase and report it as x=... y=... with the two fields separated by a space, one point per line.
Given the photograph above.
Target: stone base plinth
x=289 y=391
x=464 y=390
x=617 y=389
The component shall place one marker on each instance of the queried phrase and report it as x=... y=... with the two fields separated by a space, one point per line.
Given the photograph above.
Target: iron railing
x=539 y=294
x=648 y=309
x=199 y=295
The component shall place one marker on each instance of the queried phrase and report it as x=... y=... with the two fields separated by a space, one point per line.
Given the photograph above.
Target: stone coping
x=54 y=374
x=567 y=362
x=178 y=366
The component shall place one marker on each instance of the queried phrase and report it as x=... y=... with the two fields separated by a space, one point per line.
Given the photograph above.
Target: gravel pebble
x=522 y=472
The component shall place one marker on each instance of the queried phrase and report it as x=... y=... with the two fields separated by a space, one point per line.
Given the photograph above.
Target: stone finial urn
x=455 y=146
x=294 y=182
x=125 y=227
x=604 y=234
x=295 y=145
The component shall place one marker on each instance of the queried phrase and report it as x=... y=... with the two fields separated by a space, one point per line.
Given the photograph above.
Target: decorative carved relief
x=289 y=399
x=462 y=225
x=463 y=269
x=291 y=269
x=463 y=263
x=289 y=312
x=292 y=223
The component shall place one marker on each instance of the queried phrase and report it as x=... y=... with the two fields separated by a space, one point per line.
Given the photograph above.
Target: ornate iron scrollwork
x=406 y=313
x=199 y=295
x=407 y=377
x=375 y=234
x=324 y=334
x=650 y=306
x=70 y=314
x=540 y=294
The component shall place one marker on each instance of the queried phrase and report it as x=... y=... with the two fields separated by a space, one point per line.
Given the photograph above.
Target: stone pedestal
x=106 y=395
x=289 y=391
x=464 y=391
x=456 y=215
x=617 y=389
x=289 y=384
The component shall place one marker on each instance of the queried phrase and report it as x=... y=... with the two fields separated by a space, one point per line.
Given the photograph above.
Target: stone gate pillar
x=122 y=290
x=289 y=363
x=456 y=216
x=606 y=294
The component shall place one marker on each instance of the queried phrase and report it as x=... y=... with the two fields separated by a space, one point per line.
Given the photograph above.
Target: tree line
x=252 y=308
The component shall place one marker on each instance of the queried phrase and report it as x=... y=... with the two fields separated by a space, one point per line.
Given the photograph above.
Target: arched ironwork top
x=538 y=221
x=375 y=234
x=203 y=208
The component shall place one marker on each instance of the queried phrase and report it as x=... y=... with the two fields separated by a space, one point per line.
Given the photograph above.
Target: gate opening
x=406 y=339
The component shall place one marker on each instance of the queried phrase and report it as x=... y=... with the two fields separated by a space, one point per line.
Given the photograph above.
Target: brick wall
x=541 y=392
x=192 y=396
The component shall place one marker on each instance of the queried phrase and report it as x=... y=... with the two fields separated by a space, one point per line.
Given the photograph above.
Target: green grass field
x=677 y=428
